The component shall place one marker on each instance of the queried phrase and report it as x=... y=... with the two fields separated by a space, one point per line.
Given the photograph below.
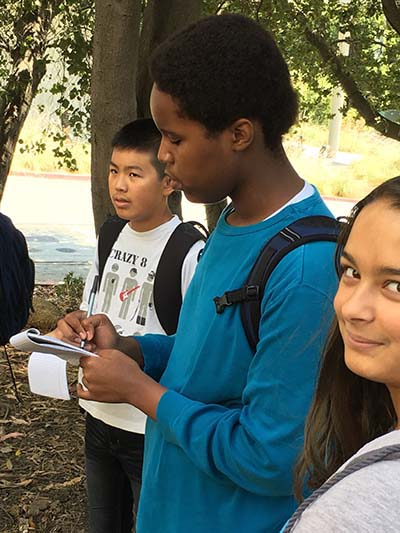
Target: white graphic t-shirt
x=126 y=297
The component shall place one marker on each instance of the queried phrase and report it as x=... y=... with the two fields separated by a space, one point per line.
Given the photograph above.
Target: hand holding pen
x=92 y=297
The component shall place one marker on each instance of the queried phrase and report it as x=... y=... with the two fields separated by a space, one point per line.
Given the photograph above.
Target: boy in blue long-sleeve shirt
x=226 y=423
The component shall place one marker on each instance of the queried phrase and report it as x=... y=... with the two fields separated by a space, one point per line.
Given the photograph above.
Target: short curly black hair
x=226 y=67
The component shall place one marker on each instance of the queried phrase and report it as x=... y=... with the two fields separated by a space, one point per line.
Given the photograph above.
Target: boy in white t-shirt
x=114 y=438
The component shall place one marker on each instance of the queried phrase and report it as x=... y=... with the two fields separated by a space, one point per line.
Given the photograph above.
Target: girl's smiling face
x=367 y=302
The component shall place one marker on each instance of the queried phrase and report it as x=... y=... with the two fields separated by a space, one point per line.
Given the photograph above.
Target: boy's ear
x=167 y=187
x=242 y=132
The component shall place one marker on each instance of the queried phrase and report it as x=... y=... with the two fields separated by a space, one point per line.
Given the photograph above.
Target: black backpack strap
x=300 y=232
x=108 y=234
x=199 y=226
x=386 y=453
x=167 y=284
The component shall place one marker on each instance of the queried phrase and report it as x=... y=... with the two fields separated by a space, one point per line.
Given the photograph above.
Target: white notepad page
x=47 y=376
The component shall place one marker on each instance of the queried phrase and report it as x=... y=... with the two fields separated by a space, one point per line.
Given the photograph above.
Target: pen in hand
x=92 y=297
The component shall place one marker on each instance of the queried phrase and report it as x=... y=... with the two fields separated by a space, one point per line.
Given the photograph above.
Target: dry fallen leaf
x=19 y=421
x=8 y=484
x=68 y=483
x=13 y=435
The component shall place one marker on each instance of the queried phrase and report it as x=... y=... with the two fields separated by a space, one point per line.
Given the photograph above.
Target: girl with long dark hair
x=355 y=414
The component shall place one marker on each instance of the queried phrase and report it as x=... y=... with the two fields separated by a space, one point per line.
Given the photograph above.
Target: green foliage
x=34 y=147
x=63 y=153
x=63 y=50
x=70 y=292
x=72 y=46
x=40 y=145
x=314 y=102
x=374 y=47
x=66 y=56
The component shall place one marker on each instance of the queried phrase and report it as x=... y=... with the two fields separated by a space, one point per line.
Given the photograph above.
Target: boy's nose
x=164 y=155
x=121 y=183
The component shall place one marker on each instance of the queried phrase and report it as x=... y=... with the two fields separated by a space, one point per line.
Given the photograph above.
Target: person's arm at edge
x=155 y=350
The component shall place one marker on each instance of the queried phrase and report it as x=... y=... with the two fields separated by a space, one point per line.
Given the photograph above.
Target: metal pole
x=337 y=102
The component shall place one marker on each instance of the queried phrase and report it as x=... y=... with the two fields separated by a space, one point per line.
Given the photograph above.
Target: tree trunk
x=213 y=212
x=28 y=66
x=175 y=203
x=113 y=91
x=161 y=18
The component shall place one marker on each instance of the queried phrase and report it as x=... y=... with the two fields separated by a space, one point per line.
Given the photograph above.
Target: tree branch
x=357 y=99
x=336 y=65
x=391 y=10
x=220 y=6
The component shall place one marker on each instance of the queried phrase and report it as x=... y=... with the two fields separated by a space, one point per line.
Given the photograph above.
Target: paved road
x=56 y=218
x=55 y=214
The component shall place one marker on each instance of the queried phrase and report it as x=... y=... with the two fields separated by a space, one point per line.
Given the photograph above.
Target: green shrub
x=70 y=292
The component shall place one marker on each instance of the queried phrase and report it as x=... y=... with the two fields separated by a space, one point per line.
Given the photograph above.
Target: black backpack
x=167 y=283
x=302 y=231
x=17 y=280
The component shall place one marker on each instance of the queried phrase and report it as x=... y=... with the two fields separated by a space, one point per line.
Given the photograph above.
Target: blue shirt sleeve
x=156 y=350
x=255 y=444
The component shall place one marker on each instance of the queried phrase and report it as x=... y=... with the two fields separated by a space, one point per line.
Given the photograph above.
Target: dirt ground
x=41 y=458
x=42 y=478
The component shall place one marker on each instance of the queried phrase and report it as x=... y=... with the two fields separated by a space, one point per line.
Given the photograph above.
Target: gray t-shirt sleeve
x=366 y=501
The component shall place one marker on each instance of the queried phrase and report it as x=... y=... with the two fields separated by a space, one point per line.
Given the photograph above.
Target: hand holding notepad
x=31 y=340
x=47 y=368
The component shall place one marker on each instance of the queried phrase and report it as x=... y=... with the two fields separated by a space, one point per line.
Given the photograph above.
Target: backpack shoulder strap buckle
x=221 y=302
x=248 y=293
x=312 y=228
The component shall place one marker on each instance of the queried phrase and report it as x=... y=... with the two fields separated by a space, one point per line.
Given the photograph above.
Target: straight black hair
x=347 y=410
x=141 y=135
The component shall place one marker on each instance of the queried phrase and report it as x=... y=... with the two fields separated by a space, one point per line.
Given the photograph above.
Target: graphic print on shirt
x=128 y=293
x=109 y=287
x=145 y=299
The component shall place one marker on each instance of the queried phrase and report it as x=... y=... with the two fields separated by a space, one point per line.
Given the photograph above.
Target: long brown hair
x=347 y=410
